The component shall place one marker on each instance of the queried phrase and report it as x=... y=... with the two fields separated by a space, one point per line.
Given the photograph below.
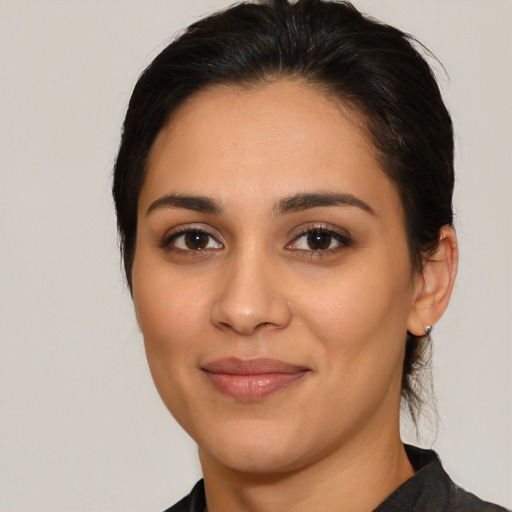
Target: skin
x=257 y=289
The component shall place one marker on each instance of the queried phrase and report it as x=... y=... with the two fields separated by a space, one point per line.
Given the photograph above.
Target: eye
x=319 y=240
x=192 y=240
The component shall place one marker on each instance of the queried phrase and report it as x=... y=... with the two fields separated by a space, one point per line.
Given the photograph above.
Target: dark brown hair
x=368 y=66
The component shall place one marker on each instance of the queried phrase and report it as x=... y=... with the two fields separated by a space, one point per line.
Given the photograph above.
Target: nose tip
x=249 y=301
x=244 y=321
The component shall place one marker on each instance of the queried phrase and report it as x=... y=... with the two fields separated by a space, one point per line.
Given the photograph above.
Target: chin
x=252 y=448
x=256 y=460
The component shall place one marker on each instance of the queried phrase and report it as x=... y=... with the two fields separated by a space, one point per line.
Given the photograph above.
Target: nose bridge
x=251 y=294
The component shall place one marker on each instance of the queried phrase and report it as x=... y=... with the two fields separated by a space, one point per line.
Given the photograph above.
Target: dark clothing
x=429 y=490
x=194 y=502
x=432 y=490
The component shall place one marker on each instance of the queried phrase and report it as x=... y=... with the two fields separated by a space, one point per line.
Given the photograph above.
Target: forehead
x=259 y=142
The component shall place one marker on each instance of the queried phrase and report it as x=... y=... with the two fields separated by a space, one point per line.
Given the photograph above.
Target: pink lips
x=252 y=379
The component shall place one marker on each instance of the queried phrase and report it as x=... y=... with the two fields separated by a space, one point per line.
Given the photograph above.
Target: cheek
x=355 y=301
x=360 y=333
x=171 y=316
x=170 y=310
x=360 y=319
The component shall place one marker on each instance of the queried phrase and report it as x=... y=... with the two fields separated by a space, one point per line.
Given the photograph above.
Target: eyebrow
x=305 y=201
x=177 y=201
x=294 y=203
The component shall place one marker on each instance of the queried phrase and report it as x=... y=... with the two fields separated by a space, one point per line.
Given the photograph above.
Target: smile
x=254 y=379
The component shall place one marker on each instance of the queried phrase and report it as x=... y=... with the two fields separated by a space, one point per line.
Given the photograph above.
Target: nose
x=251 y=297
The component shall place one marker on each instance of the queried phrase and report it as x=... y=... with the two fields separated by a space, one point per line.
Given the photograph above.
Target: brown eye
x=319 y=240
x=191 y=241
x=196 y=240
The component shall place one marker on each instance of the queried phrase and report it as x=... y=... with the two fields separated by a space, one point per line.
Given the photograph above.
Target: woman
x=283 y=192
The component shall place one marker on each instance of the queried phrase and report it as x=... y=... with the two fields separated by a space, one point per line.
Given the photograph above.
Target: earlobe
x=435 y=285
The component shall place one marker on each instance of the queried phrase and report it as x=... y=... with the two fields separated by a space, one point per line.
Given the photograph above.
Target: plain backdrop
x=81 y=426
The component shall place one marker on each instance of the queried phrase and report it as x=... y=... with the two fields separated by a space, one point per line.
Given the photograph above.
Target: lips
x=252 y=379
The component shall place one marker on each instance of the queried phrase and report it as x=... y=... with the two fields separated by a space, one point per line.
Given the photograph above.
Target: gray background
x=81 y=426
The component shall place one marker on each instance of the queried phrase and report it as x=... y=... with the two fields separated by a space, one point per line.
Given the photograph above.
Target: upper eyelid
x=186 y=228
x=327 y=228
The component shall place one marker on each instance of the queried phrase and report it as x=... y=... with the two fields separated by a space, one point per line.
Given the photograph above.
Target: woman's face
x=272 y=279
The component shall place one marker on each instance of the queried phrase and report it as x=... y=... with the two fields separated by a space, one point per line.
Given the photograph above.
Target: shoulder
x=464 y=501
x=194 y=502
x=432 y=490
x=429 y=490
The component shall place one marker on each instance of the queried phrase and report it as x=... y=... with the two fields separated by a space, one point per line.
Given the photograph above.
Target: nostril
x=264 y=324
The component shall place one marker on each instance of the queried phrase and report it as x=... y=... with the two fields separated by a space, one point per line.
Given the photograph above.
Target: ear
x=434 y=285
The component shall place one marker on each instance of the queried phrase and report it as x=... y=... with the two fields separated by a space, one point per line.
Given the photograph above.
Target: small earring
x=428 y=330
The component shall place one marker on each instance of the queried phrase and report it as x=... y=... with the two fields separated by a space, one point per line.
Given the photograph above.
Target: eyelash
x=166 y=242
x=342 y=240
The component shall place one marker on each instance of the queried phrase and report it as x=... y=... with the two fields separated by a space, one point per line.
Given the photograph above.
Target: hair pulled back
x=368 y=66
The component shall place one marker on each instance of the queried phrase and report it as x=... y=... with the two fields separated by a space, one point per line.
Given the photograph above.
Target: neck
x=358 y=477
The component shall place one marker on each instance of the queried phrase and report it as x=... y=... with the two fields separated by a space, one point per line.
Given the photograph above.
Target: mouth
x=252 y=379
